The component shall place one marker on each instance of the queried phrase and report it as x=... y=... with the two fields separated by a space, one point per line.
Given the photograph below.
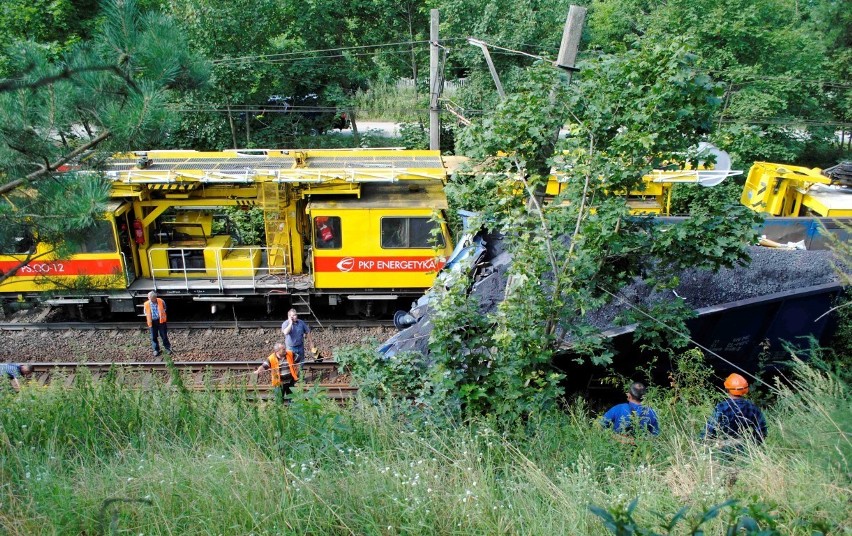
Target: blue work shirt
x=295 y=340
x=736 y=418
x=621 y=418
x=11 y=371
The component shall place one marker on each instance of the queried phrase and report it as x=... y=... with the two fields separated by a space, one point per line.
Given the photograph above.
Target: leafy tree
x=292 y=49
x=104 y=95
x=55 y=24
x=629 y=113
x=783 y=63
x=534 y=27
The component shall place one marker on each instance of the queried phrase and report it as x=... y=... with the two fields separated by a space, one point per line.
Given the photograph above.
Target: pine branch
x=44 y=169
x=66 y=73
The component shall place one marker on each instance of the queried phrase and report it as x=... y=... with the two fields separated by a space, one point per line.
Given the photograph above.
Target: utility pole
x=490 y=62
x=571 y=39
x=571 y=34
x=434 y=84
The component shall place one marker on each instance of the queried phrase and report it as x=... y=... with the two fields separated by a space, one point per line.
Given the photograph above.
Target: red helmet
x=736 y=385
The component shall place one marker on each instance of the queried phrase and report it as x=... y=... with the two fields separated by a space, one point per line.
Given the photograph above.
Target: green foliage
x=388 y=101
x=751 y=520
x=379 y=377
x=691 y=379
x=246 y=224
x=265 y=48
x=777 y=60
x=55 y=24
x=208 y=460
x=106 y=94
x=571 y=257
x=688 y=198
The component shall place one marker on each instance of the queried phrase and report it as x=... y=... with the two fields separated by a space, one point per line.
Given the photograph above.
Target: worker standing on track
x=15 y=373
x=623 y=417
x=275 y=365
x=735 y=419
x=295 y=331
x=155 y=314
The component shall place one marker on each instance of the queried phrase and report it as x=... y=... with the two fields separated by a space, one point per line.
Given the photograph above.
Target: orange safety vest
x=161 y=308
x=275 y=368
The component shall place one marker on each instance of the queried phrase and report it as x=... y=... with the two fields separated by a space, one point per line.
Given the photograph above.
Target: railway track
x=233 y=324
x=196 y=376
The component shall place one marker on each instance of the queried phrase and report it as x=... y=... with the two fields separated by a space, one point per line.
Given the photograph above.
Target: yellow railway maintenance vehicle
x=655 y=195
x=351 y=230
x=785 y=190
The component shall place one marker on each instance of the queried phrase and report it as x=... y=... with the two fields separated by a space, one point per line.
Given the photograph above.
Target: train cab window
x=22 y=243
x=410 y=233
x=98 y=239
x=327 y=232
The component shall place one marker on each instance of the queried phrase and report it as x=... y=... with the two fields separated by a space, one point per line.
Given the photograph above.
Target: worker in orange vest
x=274 y=363
x=155 y=314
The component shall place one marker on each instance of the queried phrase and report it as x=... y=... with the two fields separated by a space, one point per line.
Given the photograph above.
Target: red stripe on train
x=377 y=264
x=69 y=268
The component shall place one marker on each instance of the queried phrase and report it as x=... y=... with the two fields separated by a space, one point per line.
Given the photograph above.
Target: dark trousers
x=162 y=331
x=282 y=392
x=298 y=354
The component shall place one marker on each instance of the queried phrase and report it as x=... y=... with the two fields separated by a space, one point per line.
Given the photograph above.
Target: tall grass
x=202 y=463
x=391 y=102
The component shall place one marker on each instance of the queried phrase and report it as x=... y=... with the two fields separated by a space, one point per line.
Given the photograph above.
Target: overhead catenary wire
x=303 y=54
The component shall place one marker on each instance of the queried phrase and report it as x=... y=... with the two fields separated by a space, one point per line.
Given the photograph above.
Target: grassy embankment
x=217 y=464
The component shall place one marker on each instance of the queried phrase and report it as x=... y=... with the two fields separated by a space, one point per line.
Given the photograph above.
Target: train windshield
x=411 y=233
x=98 y=239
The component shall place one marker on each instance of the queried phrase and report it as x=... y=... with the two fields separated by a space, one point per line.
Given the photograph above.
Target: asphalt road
x=381 y=128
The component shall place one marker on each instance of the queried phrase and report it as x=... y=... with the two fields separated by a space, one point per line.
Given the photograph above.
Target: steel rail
x=195 y=375
x=162 y=365
x=245 y=324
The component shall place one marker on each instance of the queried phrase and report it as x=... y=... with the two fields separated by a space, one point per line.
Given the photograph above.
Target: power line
x=309 y=58
x=269 y=57
x=307 y=54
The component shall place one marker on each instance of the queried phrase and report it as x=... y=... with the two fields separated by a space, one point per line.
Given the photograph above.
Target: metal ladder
x=301 y=302
x=277 y=232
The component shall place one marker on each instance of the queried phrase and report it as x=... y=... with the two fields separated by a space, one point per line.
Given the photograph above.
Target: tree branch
x=11 y=85
x=44 y=169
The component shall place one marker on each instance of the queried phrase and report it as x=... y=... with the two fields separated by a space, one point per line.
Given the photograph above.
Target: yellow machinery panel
x=215 y=258
x=382 y=241
x=785 y=190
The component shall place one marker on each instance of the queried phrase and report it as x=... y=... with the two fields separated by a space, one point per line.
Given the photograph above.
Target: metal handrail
x=220 y=271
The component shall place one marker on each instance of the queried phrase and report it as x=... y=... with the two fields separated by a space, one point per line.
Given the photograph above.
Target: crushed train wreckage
x=742 y=314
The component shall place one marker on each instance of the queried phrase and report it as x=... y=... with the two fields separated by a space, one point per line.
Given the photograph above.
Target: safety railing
x=186 y=266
